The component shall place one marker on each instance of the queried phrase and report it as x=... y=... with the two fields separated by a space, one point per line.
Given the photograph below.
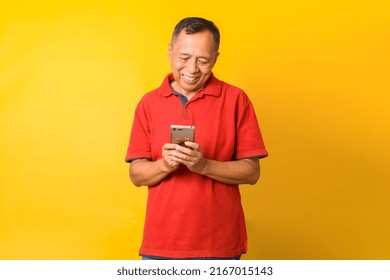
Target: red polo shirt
x=189 y=215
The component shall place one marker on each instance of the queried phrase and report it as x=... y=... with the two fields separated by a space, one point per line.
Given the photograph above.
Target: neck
x=189 y=95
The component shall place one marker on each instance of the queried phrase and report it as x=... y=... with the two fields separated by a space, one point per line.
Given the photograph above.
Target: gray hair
x=193 y=25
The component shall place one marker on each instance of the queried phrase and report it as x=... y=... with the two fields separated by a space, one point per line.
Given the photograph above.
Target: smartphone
x=182 y=133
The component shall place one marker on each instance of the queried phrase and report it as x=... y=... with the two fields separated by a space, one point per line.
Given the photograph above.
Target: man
x=194 y=208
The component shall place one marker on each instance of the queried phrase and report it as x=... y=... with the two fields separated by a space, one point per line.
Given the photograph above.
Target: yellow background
x=72 y=72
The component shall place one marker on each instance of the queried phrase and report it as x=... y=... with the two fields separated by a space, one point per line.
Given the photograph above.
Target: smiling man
x=194 y=206
x=192 y=57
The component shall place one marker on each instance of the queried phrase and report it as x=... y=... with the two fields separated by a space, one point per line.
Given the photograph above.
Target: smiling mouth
x=189 y=79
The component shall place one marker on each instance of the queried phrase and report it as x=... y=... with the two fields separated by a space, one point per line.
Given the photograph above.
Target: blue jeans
x=149 y=258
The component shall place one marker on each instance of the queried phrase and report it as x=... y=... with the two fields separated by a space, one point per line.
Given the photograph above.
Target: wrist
x=166 y=167
x=203 y=167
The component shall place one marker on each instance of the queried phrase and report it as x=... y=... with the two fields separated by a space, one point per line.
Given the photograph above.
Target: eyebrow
x=200 y=57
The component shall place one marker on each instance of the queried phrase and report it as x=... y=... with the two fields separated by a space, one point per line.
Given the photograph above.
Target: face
x=192 y=58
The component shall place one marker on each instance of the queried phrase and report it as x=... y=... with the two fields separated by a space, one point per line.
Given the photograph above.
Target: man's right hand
x=168 y=156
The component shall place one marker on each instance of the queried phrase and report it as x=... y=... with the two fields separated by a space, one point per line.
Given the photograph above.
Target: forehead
x=203 y=40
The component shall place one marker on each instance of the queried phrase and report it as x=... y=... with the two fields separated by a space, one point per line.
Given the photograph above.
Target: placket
x=187 y=114
x=188 y=111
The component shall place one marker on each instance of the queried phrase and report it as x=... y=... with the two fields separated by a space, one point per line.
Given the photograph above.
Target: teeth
x=188 y=79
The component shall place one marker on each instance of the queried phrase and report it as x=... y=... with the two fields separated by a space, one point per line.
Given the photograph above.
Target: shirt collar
x=213 y=86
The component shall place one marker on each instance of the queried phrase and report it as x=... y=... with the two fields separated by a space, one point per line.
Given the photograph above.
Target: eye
x=184 y=58
x=203 y=61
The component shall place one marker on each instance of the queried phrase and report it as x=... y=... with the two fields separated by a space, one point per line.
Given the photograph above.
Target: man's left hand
x=191 y=156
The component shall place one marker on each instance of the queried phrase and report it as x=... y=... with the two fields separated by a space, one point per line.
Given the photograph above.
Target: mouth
x=189 y=79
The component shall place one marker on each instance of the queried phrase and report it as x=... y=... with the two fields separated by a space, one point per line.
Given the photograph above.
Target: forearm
x=148 y=173
x=246 y=171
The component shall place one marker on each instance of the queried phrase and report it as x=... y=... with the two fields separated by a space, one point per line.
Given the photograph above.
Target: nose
x=192 y=66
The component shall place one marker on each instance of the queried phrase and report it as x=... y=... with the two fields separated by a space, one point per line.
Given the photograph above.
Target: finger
x=184 y=162
x=169 y=146
x=180 y=155
x=185 y=150
x=192 y=145
x=172 y=161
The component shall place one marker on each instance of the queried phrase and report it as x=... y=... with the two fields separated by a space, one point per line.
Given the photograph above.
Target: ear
x=170 y=51
x=216 y=57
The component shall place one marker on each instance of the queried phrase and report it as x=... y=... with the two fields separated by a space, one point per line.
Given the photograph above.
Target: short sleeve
x=249 y=139
x=139 y=144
